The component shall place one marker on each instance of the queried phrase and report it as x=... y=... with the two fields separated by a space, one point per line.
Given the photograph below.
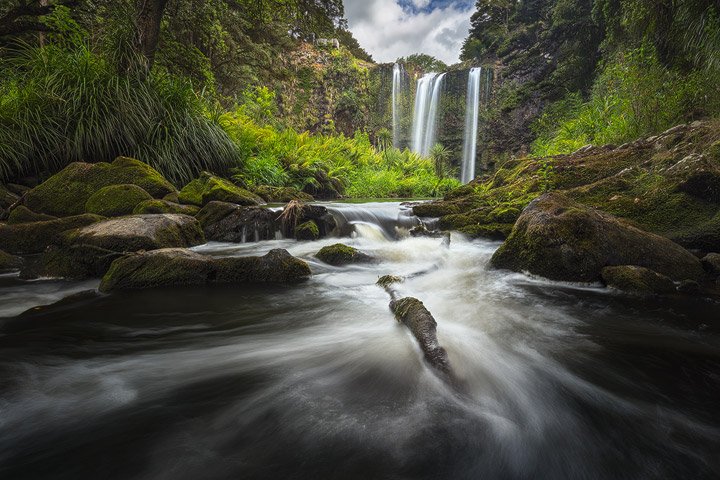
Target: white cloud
x=387 y=31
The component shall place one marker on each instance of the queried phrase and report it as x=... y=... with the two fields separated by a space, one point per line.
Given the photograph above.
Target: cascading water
x=396 y=91
x=423 y=100
x=471 y=125
x=432 y=117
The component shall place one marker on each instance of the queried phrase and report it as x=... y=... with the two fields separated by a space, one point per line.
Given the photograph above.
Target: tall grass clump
x=60 y=104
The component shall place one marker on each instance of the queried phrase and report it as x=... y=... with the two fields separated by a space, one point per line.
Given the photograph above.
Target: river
x=319 y=381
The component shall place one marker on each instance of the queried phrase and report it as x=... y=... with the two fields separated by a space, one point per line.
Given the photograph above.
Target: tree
x=18 y=17
x=146 y=35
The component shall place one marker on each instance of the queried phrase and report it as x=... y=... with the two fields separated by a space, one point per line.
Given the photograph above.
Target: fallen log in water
x=413 y=314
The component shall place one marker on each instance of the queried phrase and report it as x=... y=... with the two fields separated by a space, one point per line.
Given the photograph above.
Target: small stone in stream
x=689 y=287
x=340 y=254
x=634 y=279
x=387 y=280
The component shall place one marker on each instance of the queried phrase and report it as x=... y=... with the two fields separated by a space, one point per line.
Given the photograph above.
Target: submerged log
x=423 y=326
x=413 y=314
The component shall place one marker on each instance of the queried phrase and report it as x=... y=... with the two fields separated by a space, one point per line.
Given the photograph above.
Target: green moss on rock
x=28 y=238
x=9 y=263
x=67 y=192
x=177 y=267
x=208 y=188
x=164 y=206
x=560 y=239
x=116 y=200
x=340 y=254
x=22 y=214
x=638 y=280
x=307 y=231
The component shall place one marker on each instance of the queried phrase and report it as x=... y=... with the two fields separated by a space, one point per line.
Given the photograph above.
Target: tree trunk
x=149 y=14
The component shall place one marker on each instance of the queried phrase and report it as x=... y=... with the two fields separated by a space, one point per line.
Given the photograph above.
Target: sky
x=388 y=29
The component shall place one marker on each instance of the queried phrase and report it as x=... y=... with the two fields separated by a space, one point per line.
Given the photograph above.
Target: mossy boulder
x=281 y=194
x=704 y=236
x=307 y=231
x=435 y=209
x=22 y=214
x=116 y=200
x=560 y=239
x=208 y=188
x=67 y=192
x=711 y=263
x=28 y=238
x=71 y=261
x=139 y=232
x=164 y=206
x=7 y=198
x=9 y=263
x=229 y=222
x=178 y=267
x=638 y=280
x=340 y=254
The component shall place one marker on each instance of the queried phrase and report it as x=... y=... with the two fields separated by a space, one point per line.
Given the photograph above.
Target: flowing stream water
x=318 y=380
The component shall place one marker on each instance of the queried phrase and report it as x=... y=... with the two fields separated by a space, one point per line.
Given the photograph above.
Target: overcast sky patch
x=389 y=29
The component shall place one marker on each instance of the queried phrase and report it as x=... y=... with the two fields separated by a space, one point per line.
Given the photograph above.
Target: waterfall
x=471 y=125
x=423 y=104
x=396 y=89
x=432 y=117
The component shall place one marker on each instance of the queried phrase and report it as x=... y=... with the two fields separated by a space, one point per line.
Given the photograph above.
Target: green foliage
x=59 y=105
x=423 y=62
x=635 y=95
x=328 y=165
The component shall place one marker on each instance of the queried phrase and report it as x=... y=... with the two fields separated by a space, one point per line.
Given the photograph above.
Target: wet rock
x=422 y=231
x=22 y=214
x=711 y=263
x=228 y=222
x=164 y=206
x=7 y=198
x=208 y=188
x=71 y=262
x=413 y=314
x=639 y=280
x=177 y=267
x=307 y=231
x=340 y=254
x=560 y=239
x=28 y=238
x=139 y=232
x=9 y=263
x=320 y=216
x=116 y=200
x=67 y=192
x=689 y=287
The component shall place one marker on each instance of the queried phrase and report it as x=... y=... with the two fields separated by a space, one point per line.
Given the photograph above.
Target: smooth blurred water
x=319 y=381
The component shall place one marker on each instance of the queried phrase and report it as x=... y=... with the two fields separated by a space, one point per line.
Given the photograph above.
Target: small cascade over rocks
x=379 y=220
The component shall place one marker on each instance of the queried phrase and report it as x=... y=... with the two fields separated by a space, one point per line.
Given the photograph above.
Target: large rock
x=711 y=263
x=340 y=254
x=177 y=267
x=89 y=252
x=116 y=200
x=9 y=263
x=140 y=232
x=28 y=238
x=634 y=279
x=560 y=239
x=22 y=214
x=67 y=192
x=228 y=222
x=208 y=188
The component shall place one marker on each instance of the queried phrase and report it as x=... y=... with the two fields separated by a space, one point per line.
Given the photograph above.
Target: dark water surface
x=319 y=381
